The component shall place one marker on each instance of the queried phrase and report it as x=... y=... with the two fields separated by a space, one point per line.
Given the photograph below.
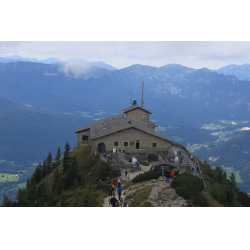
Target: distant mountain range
x=242 y=72
x=174 y=93
x=51 y=60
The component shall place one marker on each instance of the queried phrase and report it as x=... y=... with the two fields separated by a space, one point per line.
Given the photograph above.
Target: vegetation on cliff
x=73 y=182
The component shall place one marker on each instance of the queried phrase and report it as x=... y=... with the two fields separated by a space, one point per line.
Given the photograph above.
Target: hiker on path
x=126 y=173
x=110 y=189
x=121 y=202
x=167 y=176
x=113 y=201
x=125 y=204
x=172 y=174
x=119 y=191
x=119 y=182
x=192 y=157
x=115 y=181
x=117 y=203
x=177 y=172
x=185 y=171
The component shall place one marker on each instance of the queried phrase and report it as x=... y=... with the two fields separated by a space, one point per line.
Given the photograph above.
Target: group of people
x=197 y=168
x=170 y=175
x=117 y=203
x=113 y=201
x=126 y=174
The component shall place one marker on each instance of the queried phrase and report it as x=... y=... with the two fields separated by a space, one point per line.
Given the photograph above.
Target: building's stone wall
x=129 y=135
x=80 y=142
x=138 y=115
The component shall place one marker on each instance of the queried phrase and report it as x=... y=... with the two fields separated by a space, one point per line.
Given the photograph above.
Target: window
x=125 y=144
x=154 y=145
x=116 y=143
x=85 y=138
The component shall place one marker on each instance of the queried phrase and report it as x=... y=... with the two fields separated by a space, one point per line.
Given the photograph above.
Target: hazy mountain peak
x=14 y=57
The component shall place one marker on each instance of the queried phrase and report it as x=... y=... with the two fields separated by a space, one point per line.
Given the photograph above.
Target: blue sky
x=212 y=55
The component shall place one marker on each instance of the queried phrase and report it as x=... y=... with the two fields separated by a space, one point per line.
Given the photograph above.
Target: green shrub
x=101 y=186
x=200 y=201
x=145 y=163
x=183 y=191
x=149 y=175
x=191 y=182
x=190 y=186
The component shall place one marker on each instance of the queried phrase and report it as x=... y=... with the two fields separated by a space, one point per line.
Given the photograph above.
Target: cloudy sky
x=212 y=55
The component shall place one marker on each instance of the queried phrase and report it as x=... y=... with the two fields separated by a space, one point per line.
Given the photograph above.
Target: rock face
x=161 y=195
x=169 y=195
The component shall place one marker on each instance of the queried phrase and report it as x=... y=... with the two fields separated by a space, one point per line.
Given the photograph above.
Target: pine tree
x=44 y=169
x=233 y=181
x=72 y=175
x=39 y=172
x=66 y=158
x=6 y=201
x=28 y=183
x=49 y=162
x=58 y=155
x=62 y=200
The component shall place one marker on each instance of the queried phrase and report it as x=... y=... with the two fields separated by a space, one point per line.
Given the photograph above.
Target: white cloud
x=123 y=54
x=75 y=70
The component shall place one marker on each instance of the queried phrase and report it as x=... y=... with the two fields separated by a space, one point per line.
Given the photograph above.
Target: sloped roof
x=152 y=124
x=117 y=123
x=135 y=107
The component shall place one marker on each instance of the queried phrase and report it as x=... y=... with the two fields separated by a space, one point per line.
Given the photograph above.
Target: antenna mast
x=131 y=100
x=142 y=95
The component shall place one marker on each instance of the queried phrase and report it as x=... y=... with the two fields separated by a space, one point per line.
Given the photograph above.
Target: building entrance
x=137 y=144
x=101 y=147
x=152 y=158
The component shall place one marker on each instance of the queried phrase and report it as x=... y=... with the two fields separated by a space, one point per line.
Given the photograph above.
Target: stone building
x=130 y=131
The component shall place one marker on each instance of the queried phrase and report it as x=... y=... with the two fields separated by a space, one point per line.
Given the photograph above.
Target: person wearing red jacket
x=115 y=181
x=172 y=174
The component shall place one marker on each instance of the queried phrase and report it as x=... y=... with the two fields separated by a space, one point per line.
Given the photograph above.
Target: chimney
x=134 y=102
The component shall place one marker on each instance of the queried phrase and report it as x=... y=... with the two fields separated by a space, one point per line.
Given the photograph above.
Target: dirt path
x=161 y=195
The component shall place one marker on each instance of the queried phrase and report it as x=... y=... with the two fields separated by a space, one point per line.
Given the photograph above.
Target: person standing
x=117 y=203
x=113 y=201
x=119 y=191
x=110 y=190
x=125 y=204
x=115 y=181
x=172 y=174
x=192 y=157
x=121 y=202
x=119 y=182
x=126 y=173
